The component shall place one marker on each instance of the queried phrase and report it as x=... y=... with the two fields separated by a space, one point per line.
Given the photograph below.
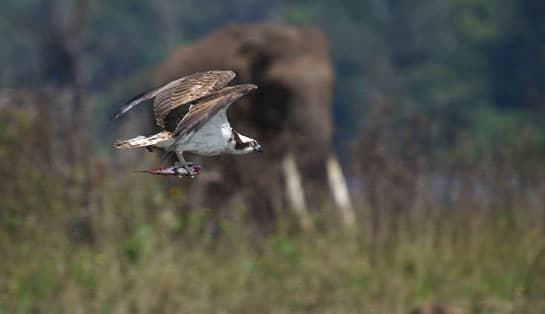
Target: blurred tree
x=57 y=34
x=517 y=59
x=446 y=56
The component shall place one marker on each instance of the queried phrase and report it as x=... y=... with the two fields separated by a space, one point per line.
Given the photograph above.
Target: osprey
x=202 y=128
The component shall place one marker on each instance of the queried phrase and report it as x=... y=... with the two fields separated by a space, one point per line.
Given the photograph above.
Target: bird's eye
x=252 y=144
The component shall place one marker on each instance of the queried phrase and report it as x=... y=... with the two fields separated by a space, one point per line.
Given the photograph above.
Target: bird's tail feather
x=142 y=141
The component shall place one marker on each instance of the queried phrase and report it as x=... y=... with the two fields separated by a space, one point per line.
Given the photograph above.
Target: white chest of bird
x=214 y=138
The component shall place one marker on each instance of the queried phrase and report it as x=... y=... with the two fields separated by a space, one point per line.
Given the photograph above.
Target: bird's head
x=245 y=145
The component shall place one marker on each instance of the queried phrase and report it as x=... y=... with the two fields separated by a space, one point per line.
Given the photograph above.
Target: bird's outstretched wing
x=180 y=92
x=206 y=108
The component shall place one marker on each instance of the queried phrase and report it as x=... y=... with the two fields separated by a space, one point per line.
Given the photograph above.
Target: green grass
x=134 y=251
x=166 y=263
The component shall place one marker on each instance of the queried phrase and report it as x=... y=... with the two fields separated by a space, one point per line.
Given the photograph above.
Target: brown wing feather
x=179 y=92
x=204 y=109
x=173 y=117
x=188 y=90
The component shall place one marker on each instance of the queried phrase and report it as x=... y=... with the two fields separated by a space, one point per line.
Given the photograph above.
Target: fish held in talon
x=176 y=170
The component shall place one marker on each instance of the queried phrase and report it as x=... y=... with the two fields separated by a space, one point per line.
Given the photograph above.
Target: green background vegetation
x=453 y=89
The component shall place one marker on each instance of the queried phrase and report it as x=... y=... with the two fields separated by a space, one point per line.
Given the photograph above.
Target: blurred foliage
x=498 y=268
x=442 y=103
x=453 y=55
x=123 y=244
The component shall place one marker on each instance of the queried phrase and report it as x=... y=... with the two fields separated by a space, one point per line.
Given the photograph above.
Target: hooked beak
x=258 y=149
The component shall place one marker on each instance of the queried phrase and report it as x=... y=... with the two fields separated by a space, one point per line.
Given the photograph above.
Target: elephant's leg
x=339 y=189
x=294 y=190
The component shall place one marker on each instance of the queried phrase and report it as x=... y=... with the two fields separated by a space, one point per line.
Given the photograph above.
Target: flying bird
x=192 y=113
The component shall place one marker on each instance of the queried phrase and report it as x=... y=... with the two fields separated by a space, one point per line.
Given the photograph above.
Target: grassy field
x=158 y=261
x=74 y=241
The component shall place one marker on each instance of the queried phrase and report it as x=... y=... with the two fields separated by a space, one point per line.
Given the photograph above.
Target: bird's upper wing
x=192 y=88
x=180 y=92
x=204 y=109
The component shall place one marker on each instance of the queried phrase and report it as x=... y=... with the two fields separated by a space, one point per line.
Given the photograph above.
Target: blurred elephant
x=290 y=114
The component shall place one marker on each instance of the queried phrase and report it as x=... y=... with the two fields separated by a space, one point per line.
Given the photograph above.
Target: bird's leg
x=192 y=170
x=187 y=165
x=182 y=162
